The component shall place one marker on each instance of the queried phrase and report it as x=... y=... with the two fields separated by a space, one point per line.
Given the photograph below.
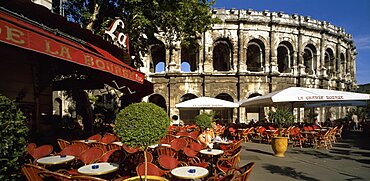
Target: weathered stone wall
x=271 y=29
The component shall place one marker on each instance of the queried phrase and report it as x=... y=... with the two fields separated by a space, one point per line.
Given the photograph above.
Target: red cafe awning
x=31 y=37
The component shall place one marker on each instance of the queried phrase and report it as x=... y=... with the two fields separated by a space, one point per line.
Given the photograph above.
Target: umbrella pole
x=292 y=107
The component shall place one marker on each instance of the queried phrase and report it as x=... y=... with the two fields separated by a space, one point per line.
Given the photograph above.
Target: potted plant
x=141 y=125
x=14 y=132
x=203 y=121
x=280 y=117
x=312 y=116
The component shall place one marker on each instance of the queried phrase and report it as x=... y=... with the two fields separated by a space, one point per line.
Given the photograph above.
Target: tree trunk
x=146 y=165
x=90 y=26
x=83 y=108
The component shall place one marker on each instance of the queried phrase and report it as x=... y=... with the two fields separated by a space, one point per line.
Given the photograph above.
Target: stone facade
x=253 y=53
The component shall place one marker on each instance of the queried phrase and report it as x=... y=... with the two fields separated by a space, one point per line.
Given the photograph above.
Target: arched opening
x=188 y=115
x=189 y=55
x=158 y=55
x=225 y=114
x=58 y=108
x=253 y=113
x=254 y=95
x=285 y=57
x=341 y=63
x=160 y=67
x=309 y=59
x=185 y=67
x=346 y=62
x=255 y=55
x=222 y=56
x=158 y=100
x=329 y=61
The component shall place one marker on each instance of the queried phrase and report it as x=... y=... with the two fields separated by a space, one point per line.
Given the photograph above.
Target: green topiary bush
x=14 y=132
x=203 y=121
x=141 y=124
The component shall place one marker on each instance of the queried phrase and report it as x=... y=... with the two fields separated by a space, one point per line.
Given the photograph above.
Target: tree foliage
x=141 y=124
x=203 y=121
x=13 y=143
x=312 y=116
x=174 y=20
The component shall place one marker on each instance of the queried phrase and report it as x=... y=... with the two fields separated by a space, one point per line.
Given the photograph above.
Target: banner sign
x=27 y=36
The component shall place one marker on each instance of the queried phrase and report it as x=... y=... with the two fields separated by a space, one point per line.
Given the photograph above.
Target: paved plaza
x=349 y=159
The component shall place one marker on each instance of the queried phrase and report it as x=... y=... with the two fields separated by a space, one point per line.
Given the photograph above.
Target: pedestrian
x=355 y=121
x=316 y=123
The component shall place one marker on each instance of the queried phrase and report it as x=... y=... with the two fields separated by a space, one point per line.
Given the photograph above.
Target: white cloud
x=362 y=42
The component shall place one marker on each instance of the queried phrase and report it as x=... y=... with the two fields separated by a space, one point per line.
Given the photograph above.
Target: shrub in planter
x=203 y=121
x=141 y=125
x=281 y=117
x=14 y=132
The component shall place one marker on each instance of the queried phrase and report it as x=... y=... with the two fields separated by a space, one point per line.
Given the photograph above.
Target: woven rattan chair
x=152 y=170
x=86 y=178
x=96 y=137
x=243 y=172
x=108 y=138
x=31 y=172
x=63 y=143
x=41 y=151
x=49 y=175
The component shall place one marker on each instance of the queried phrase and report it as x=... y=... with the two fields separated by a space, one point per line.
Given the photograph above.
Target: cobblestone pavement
x=349 y=159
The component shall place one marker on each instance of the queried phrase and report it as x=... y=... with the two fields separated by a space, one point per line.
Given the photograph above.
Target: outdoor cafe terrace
x=104 y=157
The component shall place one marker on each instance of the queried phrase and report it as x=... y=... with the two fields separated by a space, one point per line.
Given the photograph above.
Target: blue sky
x=352 y=15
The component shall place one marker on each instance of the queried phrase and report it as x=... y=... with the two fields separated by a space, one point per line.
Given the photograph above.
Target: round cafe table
x=212 y=152
x=103 y=168
x=190 y=172
x=117 y=143
x=55 y=160
x=88 y=141
x=156 y=145
x=223 y=142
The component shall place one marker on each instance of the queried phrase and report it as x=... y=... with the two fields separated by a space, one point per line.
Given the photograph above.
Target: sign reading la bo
x=45 y=42
x=119 y=38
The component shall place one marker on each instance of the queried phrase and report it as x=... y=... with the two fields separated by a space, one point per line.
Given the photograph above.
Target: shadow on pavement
x=353 y=177
x=356 y=139
x=317 y=154
x=287 y=171
x=364 y=161
x=259 y=151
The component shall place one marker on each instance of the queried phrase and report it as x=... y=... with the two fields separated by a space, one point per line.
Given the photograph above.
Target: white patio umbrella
x=301 y=95
x=206 y=103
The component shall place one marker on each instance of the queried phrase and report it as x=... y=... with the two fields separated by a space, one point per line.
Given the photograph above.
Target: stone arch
x=223 y=91
x=222 y=55
x=158 y=100
x=310 y=41
x=157 y=53
x=190 y=54
x=188 y=115
x=329 y=61
x=255 y=94
x=225 y=113
x=255 y=55
x=285 y=57
x=310 y=59
x=259 y=38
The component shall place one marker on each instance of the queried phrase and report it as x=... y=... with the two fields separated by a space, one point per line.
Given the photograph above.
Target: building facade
x=253 y=53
